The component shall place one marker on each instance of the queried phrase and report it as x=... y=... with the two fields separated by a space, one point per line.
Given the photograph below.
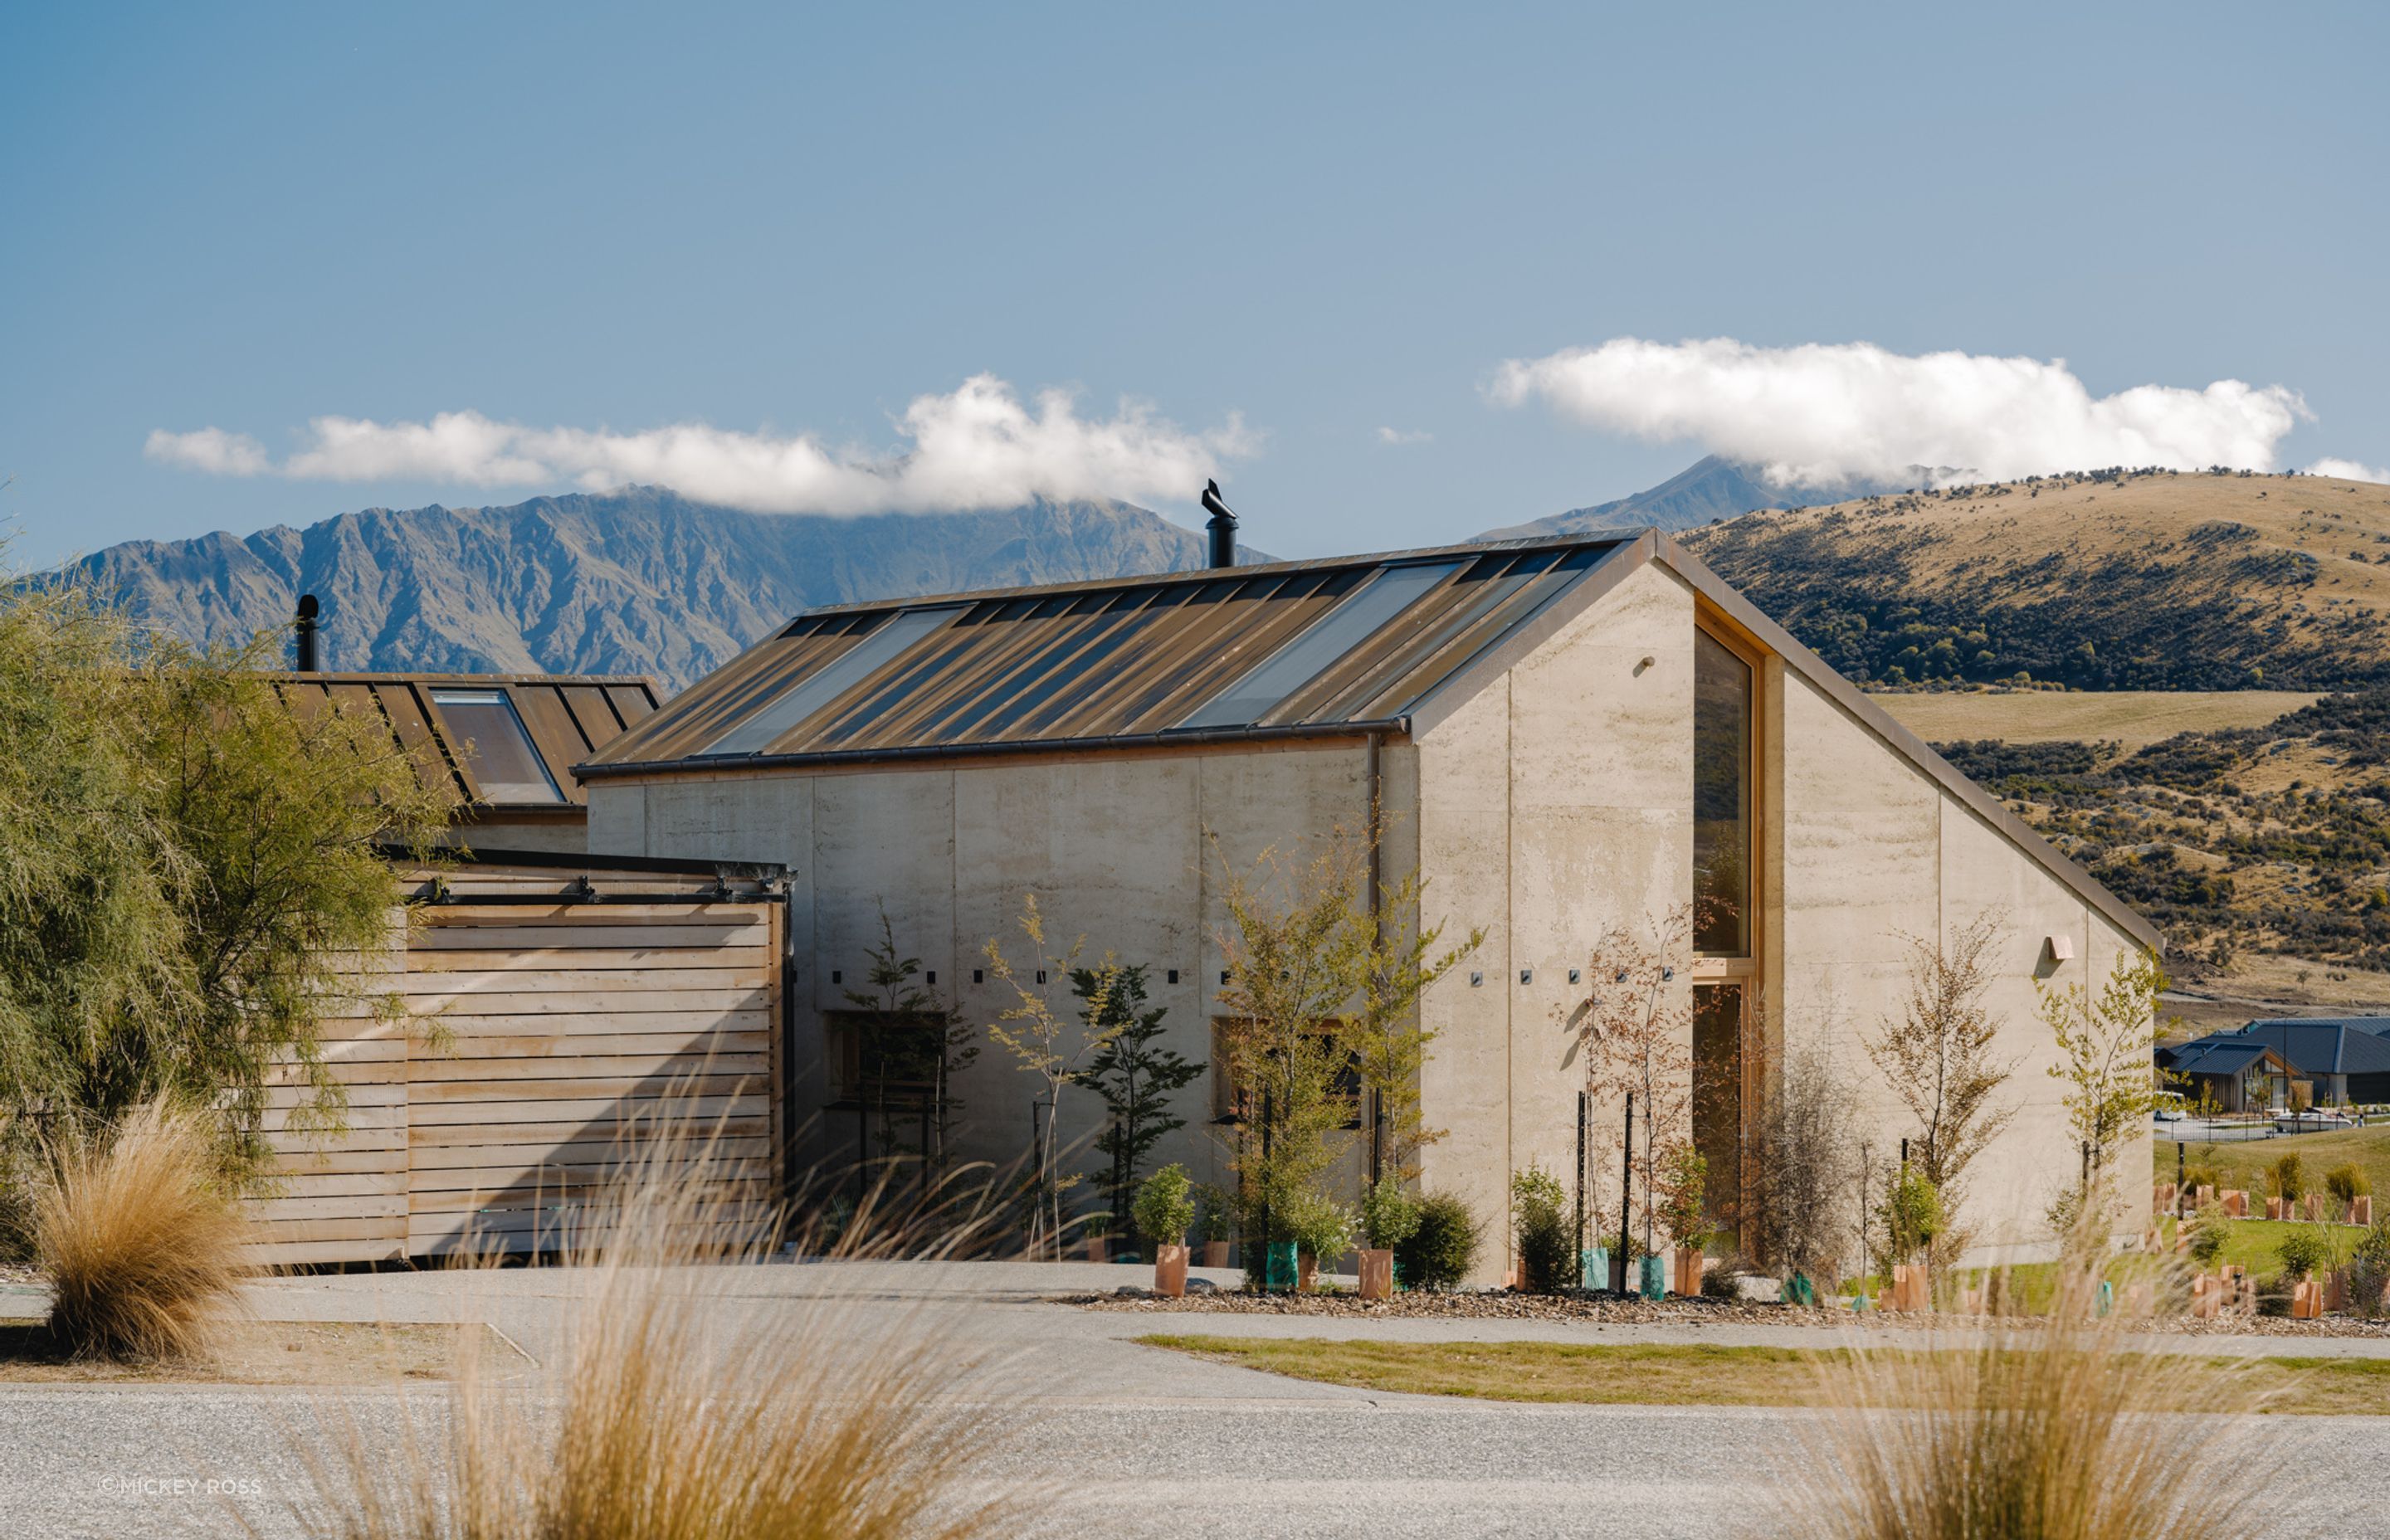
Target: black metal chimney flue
x=306 y=633
x=1222 y=526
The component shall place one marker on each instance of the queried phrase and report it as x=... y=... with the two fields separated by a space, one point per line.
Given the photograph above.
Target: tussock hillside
x=2113 y=580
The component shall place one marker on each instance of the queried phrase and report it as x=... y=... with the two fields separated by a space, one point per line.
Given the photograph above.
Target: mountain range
x=1710 y=489
x=640 y=580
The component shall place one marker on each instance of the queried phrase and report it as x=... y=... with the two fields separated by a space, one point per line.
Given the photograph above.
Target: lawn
x=2245 y=1164
x=1699 y=1375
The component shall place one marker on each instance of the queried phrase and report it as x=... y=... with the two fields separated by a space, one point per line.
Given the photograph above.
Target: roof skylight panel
x=776 y=718
x=1292 y=666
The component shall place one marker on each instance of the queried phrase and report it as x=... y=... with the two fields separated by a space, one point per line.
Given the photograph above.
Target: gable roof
x=2309 y=1045
x=2224 y=1055
x=493 y=741
x=1391 y=643
x=1302 y=646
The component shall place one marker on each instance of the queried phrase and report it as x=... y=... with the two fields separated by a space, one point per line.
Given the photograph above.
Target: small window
x=882 y=1060
x=489 y=737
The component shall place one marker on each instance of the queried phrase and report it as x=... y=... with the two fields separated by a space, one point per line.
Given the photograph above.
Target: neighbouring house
x=2240 y=1074
x=1566 y=736
x=2343 y=1060
x=502 y=744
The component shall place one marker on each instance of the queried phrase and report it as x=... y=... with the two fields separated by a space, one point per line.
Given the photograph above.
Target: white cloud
x=2347 y=471
x=1824 y=414
x=209 y=449
x=978 y=447
x=1397 y=435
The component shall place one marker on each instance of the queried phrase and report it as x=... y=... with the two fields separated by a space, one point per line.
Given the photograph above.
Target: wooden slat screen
x=564 y=1033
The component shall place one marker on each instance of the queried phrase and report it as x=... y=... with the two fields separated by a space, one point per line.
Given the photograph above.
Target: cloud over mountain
x=1824 y=414
x=978 y=447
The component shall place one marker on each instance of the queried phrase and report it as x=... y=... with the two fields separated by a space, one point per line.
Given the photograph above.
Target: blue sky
x=1331 y=226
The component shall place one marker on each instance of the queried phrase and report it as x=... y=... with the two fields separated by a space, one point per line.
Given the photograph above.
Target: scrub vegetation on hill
x=2108 y=580
x=2240 y=839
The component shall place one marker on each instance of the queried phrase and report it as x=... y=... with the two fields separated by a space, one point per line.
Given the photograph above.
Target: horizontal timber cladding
x=500 y=1068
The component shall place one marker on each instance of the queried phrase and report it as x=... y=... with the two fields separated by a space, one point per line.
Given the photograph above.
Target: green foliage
x=1133 y=1072
x=2105 y=1042
x=2209 y=1235
x=188 y=867
x=1911 y=1215
x=2287 y=1177
x=1317 y=1019
x=1440 y=1252
x=2303 y=1251
x=1218 y=1213
x=1388 y=1215
x=1684 y=1177
x=1547 y=1241
x=1033 y=1031
x=2369 y=1269
x=1164 y=1208
x=2347 y=1183
x=1317 y=1223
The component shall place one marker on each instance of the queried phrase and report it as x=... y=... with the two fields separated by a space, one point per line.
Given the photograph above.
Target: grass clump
x=674 y=1407
x=141 y=1244
x=2055 y=1428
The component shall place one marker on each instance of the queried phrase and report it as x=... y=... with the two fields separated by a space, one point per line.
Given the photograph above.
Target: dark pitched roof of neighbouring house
x=2220 y=1055
x=1335 y=648
x=496 y=740
x=2312 y=1046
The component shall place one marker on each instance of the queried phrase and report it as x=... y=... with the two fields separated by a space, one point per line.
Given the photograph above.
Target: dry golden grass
x=681 y=1406
x=2134 y=719
x=139 y=1242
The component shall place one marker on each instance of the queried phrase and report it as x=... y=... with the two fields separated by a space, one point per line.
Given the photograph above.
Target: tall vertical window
x=1721 y=799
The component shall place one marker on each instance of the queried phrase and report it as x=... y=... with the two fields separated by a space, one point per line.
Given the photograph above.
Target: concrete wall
x=1113 y=845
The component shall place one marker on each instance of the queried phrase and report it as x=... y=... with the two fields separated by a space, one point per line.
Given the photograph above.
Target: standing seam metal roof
x=1249 y=651
x=564 y=719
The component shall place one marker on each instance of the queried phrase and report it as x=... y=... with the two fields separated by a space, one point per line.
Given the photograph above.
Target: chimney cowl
x=303 y=626
x=1222 y=527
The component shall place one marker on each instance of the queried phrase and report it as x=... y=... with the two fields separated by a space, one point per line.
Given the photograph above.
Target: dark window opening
x=1721 y=799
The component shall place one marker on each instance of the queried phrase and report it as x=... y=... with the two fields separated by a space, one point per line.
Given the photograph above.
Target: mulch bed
x=1630 y=1310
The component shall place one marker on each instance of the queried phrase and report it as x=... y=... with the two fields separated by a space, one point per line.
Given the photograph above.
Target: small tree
x=1165 y=1206
x=1635 y=1025
x=1043 y=1044
x=1809 y=1162
x=1388 y=1215
x=1912 y=1214
x=1938 y=1052
x=908 y=1052
x=1683 y=1181
x=1133 y=1072
x=2106 y=1040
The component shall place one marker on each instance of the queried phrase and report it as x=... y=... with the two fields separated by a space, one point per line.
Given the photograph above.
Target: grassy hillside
x=2131 y=719
x=2114 y=580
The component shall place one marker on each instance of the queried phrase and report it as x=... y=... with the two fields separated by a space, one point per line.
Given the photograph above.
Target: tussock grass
x=139 y=1240
x=686 y=1404
x=2049 y=1428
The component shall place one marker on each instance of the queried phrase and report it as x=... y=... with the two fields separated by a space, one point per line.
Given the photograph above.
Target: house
x=2345 y=1060
x=2239 y=1074
x=503 y=745
x=1566 y=736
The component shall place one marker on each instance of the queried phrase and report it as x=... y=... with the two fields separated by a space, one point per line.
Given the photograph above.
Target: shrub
x=2346 y=1183
x=1723 y=1281
x=2196 y=1178
x=2288 y=1177
x=2369 y=1269
x=1440 y=1252
x=1684 y=1178
x=1388 y=1215
x=141 y=1244
x=2301 y=1251
x=1911 y=1215
x=1547 y=1245
x=1164 y=1210
x=1317 y=1225
x=1807 y=1162
x=2208 y=1234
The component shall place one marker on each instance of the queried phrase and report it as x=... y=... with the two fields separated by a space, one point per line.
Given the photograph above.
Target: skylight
x=1331 y=638
x=849 y=669
x=498 y=752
